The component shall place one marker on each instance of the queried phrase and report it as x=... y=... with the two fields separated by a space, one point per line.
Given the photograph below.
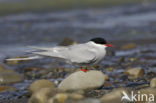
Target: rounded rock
x=10 y=77
x=42 y=95
x=106 y=77
x=153 y=83
x=134 y=73
x=83 y=80
x=38 y=84
x=114 y=96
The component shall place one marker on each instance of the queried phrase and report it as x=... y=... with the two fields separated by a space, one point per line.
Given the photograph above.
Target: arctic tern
x=84 y=54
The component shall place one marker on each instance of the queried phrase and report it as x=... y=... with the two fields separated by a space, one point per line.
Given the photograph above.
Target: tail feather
x=39 y=52
x=26 y=58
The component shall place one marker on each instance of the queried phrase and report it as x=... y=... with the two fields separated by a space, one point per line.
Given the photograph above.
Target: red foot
x=84 y=70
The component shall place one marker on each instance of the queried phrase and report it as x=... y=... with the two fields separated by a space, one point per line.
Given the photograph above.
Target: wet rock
x=83 y=80
x=134 y=73
x=38 y=84
x=153 y=83
x=8 y=77
x=6 y=88
x=107 y=84
x=128 y=46
x=106 y=77
x=114 y=96
x=42 y=95
x=68 y=41
x=64 y=97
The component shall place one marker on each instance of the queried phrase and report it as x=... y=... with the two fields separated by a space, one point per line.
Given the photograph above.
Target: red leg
x=84 y=70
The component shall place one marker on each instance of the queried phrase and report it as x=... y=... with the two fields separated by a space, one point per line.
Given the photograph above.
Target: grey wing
x=81 y=54
x=51 y=52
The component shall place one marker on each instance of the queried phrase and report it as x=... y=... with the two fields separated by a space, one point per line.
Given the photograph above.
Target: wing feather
x=80 y=53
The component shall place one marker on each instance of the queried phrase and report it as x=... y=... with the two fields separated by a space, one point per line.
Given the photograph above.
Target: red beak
x=109 y=45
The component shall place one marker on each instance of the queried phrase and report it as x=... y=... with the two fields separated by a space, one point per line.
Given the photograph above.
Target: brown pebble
x=153 y=83
x=42 y=95
x=107 y=84
x=134 y=73
x=106 y=77
x=39 y=84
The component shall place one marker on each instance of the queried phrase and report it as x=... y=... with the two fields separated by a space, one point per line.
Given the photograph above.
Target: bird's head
x=101 y=41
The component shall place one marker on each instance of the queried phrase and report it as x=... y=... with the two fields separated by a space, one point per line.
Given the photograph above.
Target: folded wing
x=80 y=53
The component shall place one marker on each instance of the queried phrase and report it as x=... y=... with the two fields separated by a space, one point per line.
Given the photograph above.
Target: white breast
x=100 y=51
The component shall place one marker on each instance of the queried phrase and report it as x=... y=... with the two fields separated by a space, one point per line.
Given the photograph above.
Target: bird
x=83 y=54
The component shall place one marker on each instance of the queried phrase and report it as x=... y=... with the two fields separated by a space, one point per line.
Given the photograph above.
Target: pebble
x=134 y=73
x=38 y=84
x=107 y=84
x=67 y=41
x=128 y=46
x=106 y=77
x=114 y=96
x=83 y=81
x=8 y=77
x=153 y=83
x=42 y=95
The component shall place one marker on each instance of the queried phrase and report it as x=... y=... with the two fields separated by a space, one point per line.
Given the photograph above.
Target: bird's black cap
x=99 y=40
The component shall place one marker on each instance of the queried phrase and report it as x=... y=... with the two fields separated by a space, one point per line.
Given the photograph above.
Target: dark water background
x=129 y=23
